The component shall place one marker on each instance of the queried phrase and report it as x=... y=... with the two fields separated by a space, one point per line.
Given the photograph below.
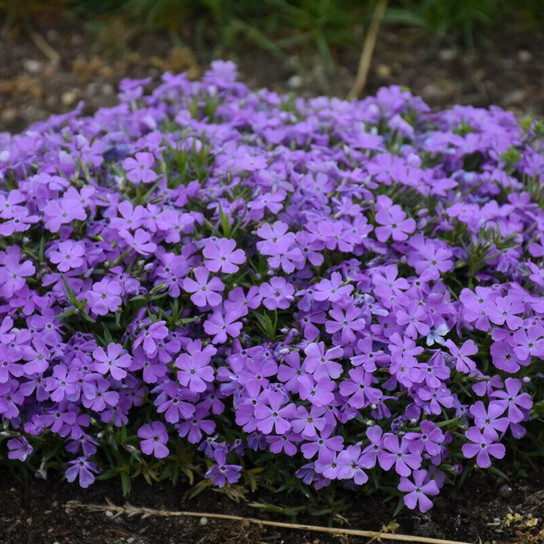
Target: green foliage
x=456 y=18
x=284 y=27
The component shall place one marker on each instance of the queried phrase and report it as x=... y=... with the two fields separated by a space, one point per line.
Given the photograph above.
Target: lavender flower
x=200 y=270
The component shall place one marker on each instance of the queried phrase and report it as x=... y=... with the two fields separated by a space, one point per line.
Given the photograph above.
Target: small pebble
x=7 y=116
x=505 y=491
x=515 y=97
x=33 y=66
x=203 y=521
x=447 y=55
x=76 y=39
x=130 y=539
x=294 y=82
x=383 y=70
x=69 y=98
x=107 y=89
x=525 y=56
x=109 y=514
x=48 y=71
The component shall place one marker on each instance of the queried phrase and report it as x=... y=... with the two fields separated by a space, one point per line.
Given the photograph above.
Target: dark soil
x=85 y=61
x=35 y=512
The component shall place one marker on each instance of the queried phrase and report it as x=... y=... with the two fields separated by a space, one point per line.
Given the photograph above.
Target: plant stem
x=147 y=512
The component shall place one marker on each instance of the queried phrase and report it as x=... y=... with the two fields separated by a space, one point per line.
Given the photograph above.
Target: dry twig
x=368 y=50
x=130 y=511
x=41 y=43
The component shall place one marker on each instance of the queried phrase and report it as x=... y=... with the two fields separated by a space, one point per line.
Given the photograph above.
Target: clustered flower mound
x=209 y=276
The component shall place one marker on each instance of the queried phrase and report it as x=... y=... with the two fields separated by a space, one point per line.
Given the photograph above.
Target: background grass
x=278 y=25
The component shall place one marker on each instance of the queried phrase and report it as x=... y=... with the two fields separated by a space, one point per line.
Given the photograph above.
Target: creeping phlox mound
x=206 y=276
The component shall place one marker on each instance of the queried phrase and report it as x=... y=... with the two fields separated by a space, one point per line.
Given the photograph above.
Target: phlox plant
x=248 y=288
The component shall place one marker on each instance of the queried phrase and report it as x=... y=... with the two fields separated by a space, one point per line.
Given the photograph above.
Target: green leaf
x=125 y=482
x=200 y=487
x=225 y=222
x=70 y=293
x=266 y=325
x=107 y=335
x=399 y=507
x=107 y=474
x=511 y=157
x=498 y=472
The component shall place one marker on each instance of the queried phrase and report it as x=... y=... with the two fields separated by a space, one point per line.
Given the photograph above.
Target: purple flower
x=387 y=284
x=19 y=448
x=482 y=447
x=324 y=446
x=489 y=421
x=529 y=342
x=504 y=310
x=68 y=255
x=382 y=333
x=477 y=307
x=273 y=202
x=97 y=395
x=131 y=218
x=418 y=490
x=308 y=424
x=195 y=426
x=155 y=438
x=206 y=292
x=221 y=473
x=151 y=337
x=320 y=362
x=393 y=221
x=194 y=368
x=63 y=383
x=331 y=290
x=512 y=400
x=280 y=246
x=350 y=467
x=415 y=319
x=220 y=325
x=290 y=372
x=462 y=361
x=429 y=439
x=277 y=294
x=139 y=169
x=370 y=453
x=82 y=469
x=272 y=415
x=13 y=272
x=347 y=321
x=115 y=361
x=60 y=212
x=140 y=241
x=319 y=393
x=172 y=400
x=358 y=389
x=105 y=297
x=221 y=256
x=397 y=453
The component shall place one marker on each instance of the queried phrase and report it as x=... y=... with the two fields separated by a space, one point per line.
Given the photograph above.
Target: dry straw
x=130 y=510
